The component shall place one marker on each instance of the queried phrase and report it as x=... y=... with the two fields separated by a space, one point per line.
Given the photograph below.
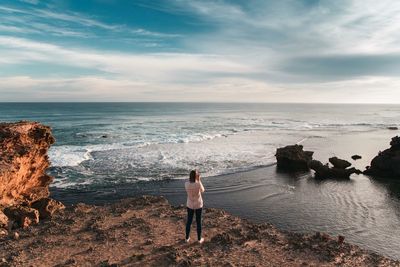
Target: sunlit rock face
x=23 y=162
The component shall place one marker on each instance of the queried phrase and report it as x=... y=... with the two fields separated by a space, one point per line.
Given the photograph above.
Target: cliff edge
x=24 y=184
x=148 y=231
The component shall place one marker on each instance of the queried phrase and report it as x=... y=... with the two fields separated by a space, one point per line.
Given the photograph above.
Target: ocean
x=107 y=151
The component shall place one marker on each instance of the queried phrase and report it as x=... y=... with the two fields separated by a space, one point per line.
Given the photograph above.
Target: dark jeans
x=190 y=213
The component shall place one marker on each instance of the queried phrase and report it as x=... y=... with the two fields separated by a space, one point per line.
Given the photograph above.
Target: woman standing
x=194 y=203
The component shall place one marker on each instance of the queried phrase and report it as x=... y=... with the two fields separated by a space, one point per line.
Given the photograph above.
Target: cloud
x=66 y=23
x=344 y=66
x=268 y=51
x=146 y=66
x=273 y=33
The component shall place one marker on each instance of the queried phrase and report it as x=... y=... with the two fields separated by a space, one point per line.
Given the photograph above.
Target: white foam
x=62 y=156
x=69 y=155
x=66 y=183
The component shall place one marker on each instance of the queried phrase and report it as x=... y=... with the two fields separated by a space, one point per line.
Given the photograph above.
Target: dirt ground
x=148 y=231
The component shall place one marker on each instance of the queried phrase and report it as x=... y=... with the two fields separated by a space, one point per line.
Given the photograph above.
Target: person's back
x=194 y=190
x=194 y=203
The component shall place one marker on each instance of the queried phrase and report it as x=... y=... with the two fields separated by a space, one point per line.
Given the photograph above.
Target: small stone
x=340 y=239
x=3 y=219
x=16 y=235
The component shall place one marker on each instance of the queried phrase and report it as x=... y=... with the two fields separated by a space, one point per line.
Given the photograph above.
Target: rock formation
x=23 y=216
x=339 y=170
x=23 y=164
x=356 y=157
x=339 y=163
x=387 y=162
x=293 y=158
x=47 y=207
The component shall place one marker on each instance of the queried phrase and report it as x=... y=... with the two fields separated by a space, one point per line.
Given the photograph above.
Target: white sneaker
x=201 y=241
x=187 y=240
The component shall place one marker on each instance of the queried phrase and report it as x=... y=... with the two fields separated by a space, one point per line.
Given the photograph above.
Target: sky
x=313 y=51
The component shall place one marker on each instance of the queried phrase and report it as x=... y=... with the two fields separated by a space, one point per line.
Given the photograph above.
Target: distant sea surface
x=108 y=143
x=105 y=151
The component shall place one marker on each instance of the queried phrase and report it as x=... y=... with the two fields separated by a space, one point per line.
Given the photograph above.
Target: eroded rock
x=47 y=207
x=24 y=216
x=387 y=162
x=293 y=158
x=325 y=171
x=23 y=162
x=339 y=163
x=24 y=184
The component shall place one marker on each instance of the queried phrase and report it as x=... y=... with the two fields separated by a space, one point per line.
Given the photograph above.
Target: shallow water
x=105 y=152
x=365 y=211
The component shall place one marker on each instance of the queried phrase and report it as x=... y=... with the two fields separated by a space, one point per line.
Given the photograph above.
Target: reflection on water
x=365 y=211
x=391 y=185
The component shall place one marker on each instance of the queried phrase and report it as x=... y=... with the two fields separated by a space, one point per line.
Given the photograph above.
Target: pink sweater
x=194 y=199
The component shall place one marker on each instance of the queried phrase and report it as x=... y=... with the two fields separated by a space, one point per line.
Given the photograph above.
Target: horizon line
x=191 y=102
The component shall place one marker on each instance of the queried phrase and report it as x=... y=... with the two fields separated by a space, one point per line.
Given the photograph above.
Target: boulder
x=47 y=207
x=387 y=162
x=339 y=163
x=293 y=158
x=22 y=215
x=23 y=162
x=356 y=157
x=325 y=171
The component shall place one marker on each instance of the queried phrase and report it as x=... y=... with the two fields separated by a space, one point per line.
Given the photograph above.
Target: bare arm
x=201 y=187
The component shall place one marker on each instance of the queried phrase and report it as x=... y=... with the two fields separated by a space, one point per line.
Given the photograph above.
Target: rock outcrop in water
x=356 y=157
x=387 y=162
x=293 y=158
x=339 y=163
x=339 y=170
x=23 y=164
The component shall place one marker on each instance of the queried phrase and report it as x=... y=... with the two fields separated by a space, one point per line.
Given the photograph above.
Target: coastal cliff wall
x=23 y=162
x=24 y=184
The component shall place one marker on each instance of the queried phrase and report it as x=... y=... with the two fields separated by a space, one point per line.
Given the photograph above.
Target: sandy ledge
x=148 y=231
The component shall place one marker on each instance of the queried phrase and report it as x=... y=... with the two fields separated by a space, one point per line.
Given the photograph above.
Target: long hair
x=192 y=176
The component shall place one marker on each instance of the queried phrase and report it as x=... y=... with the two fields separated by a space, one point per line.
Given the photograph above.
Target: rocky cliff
x=23 y=163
